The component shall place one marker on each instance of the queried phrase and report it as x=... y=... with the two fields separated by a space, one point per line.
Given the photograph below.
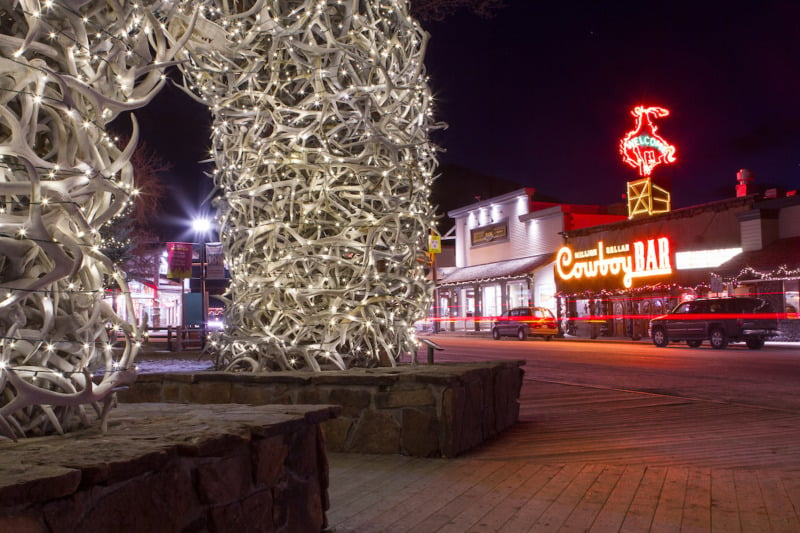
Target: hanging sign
x=434 y=244
x=179 y=260
x=640 y=259
x=215 y=264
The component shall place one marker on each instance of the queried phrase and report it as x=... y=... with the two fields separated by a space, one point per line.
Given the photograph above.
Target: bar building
x=613 y=278
x=603 y=273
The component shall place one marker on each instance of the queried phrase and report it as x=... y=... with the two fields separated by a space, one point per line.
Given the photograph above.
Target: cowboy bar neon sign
x=649 y=258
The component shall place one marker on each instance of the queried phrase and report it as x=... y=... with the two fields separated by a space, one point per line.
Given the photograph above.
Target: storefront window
x=792 y=304
x=468 y=302
x=444 y=306
x=584 y=308
x=518 y=294
x=546 y=296
x=492 y=300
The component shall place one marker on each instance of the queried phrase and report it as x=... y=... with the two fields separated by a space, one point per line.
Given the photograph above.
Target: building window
x=468 y=299
x=546 y=296
x=519 y=295
x=492 y=300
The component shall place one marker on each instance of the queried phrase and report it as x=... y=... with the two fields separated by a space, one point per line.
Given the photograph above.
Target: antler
x=29 y=394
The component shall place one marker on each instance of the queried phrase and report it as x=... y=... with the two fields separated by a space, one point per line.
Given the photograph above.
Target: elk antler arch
x=321 y=121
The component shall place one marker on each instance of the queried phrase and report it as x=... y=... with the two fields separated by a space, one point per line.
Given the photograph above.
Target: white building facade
x=505 y=251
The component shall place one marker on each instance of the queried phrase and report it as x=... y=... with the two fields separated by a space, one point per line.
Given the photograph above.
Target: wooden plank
x=361 y=470
x=464 y=512
x=724 y=509
x=370 y=497
x=589 y=507
x=697 y=502
x=752 y=511
x=614 y=510
x=669 y=510
x=565 y=504
x=437 y=492
x=530 y=512
x=780 y=510
x=640 y=513
x=534 y=478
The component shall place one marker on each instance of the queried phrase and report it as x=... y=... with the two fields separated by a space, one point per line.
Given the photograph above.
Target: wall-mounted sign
x=490 y=233
x=704 y=258
x=639 y=259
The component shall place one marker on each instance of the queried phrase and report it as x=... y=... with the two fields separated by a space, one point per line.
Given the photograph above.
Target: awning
x=513 y=268
x=779 y=260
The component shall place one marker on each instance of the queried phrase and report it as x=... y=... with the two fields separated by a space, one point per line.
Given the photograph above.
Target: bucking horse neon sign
x=643 y=148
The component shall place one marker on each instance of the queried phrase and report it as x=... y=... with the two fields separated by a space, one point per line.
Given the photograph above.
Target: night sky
x=541 y=93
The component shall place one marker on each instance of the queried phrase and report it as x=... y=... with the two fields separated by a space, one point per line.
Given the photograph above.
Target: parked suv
x=524 y=321
x=720 y=320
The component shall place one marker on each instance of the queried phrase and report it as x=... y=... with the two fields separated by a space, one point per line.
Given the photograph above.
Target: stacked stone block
x=424 y=411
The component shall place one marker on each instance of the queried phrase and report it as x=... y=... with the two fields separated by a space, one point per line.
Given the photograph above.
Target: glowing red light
x=642 y=148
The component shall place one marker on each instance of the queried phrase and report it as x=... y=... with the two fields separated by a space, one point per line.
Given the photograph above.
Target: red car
x=522 y=322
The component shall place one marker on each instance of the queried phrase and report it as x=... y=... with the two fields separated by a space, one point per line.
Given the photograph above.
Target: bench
x=177 y=338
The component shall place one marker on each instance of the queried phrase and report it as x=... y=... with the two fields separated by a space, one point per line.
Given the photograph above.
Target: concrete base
x=424 y=411
x=172 y=468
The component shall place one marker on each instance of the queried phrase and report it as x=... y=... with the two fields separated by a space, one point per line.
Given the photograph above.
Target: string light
x=57 y=192
x=783 y=272
x=324 y=170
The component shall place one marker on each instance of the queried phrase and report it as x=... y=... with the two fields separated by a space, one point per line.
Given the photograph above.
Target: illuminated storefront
x=505 y=257
x=160 y=305
x=613 y=278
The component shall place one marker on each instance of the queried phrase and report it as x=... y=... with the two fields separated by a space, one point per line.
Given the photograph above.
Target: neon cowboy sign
x=643 y=148
x=642 y=259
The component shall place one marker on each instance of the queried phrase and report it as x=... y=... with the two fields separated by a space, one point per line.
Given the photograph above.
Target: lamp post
x=202 y=226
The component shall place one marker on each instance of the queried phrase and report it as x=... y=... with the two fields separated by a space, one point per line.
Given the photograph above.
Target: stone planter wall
x=424 y=411
x=218 y=468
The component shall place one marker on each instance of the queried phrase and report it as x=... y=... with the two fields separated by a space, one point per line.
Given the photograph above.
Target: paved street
x=613 y=436
x=763 y=378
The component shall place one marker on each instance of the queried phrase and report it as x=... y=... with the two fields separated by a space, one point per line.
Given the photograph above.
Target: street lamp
x=202 y=226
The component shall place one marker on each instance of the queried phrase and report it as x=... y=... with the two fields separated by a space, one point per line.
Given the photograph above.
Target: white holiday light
x=66 y=70
x=322 y=115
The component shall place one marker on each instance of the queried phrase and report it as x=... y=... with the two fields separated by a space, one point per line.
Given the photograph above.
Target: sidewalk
x=584 y=459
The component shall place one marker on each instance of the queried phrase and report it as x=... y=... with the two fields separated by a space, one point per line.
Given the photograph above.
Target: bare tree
x=148 y=167
x=130 y=235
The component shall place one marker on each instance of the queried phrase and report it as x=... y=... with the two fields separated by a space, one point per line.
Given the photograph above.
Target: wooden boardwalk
x=588 y=459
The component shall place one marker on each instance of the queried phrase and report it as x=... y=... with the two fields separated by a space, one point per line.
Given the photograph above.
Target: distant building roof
x=526 y=191
x=513 y=268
